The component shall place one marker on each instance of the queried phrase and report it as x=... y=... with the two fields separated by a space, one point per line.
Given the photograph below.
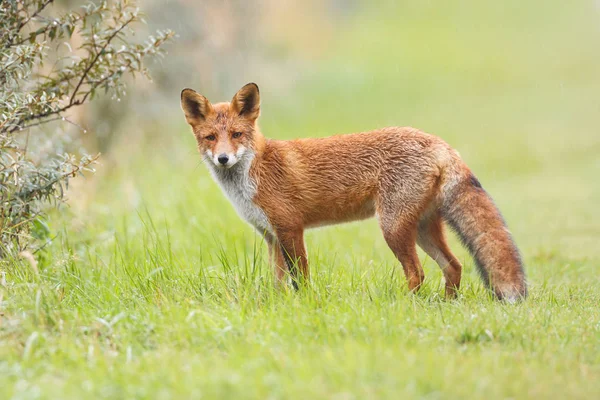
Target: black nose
x=223 y=159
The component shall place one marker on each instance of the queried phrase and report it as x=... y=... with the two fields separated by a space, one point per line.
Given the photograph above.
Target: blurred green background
x=513 y=86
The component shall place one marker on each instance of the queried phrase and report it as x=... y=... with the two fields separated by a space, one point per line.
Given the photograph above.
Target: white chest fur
x=240 y=188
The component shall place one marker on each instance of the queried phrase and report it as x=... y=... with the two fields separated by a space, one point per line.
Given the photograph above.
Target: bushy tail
x=473 y=215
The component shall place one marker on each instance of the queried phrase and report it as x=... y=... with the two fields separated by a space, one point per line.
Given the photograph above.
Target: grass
x=156 y=289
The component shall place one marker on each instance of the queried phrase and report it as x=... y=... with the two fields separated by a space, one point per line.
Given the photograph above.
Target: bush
x=43 y=74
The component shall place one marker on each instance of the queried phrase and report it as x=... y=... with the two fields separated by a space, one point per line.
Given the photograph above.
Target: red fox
x=410 y=180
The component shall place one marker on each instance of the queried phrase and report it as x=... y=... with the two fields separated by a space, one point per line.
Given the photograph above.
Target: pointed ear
x=246 y=102
x=195 y=106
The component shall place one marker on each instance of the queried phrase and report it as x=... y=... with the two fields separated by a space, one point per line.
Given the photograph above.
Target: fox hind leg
x=400 y=207
x=432 y=240
x=400 y=232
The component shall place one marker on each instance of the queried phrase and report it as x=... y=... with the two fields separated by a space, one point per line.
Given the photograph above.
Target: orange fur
x=411 y=180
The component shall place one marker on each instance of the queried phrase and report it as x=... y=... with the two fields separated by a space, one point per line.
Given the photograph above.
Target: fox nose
x=223 y=159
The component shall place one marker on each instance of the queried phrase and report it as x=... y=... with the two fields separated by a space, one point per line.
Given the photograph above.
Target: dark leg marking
x=292 y=267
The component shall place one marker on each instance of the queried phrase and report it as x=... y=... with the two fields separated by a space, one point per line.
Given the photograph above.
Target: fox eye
x=236 y=135
x=210 y=137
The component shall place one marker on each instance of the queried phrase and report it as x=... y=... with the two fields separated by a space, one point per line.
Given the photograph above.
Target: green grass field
x=156 y=289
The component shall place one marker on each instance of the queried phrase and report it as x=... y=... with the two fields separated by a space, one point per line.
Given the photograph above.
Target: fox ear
x=246 y=102
x=195 y=106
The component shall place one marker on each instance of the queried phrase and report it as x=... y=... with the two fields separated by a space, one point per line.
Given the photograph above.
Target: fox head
x=225 y=132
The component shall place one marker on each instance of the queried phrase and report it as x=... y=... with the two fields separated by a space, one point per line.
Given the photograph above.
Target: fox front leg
x=293 y=251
